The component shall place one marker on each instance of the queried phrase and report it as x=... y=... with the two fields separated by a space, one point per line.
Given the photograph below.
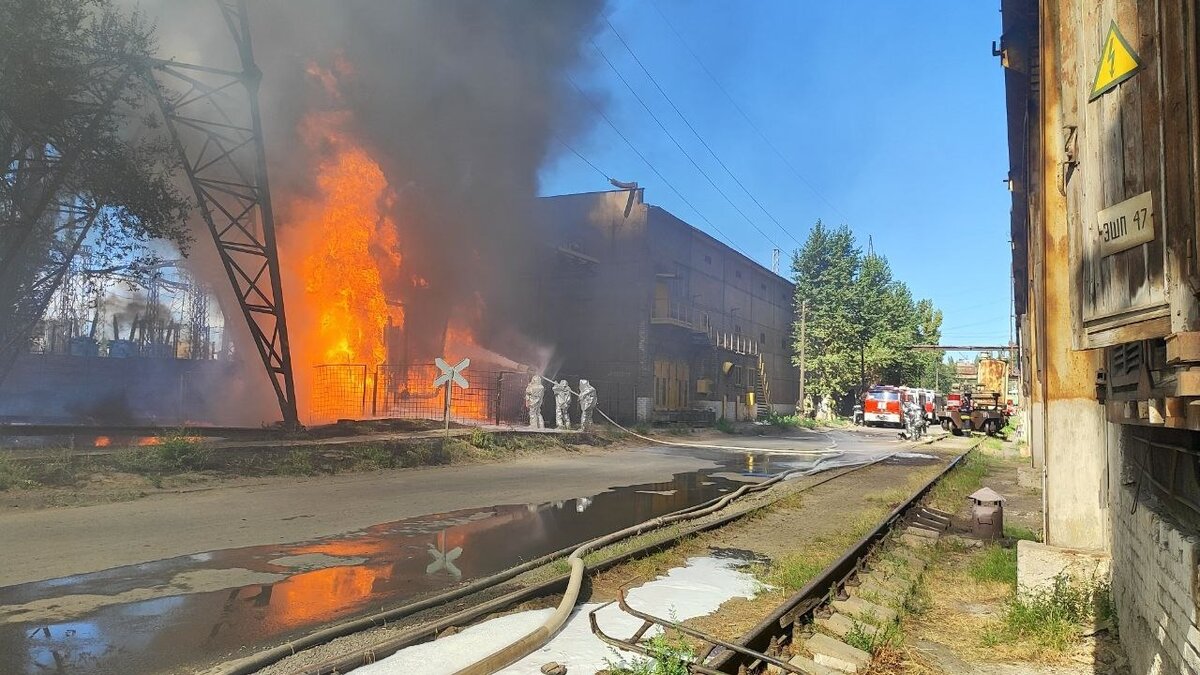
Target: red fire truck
x=882 y=406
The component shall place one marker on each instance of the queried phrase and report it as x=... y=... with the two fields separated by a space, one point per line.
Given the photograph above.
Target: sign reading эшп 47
x=1125 y=225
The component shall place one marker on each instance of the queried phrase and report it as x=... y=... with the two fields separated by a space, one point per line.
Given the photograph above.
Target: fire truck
x=881 y=405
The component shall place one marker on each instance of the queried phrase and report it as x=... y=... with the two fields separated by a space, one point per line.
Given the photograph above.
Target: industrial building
x=1104 y=138
x=668 y=323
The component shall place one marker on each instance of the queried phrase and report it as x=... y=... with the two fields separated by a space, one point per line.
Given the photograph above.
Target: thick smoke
x=459 y=101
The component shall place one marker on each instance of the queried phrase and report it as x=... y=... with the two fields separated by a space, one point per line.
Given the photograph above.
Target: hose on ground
x=535 y=639
x=826 y=452
x=385 y=648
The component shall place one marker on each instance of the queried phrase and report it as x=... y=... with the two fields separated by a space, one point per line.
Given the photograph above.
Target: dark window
x=737 y=329
x=762 y=338
x=763 y=286
x=738 y=274
x=708 y=259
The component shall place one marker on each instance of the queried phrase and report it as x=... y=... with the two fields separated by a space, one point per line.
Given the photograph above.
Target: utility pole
x=803 y=342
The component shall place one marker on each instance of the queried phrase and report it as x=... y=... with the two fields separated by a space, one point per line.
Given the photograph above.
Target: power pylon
x=212 y=116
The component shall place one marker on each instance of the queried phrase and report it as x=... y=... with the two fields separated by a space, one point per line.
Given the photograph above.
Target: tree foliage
x=80 y=159
x=861 y=322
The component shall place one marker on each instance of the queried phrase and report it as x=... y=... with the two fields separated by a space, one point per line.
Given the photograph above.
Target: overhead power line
x=585 y=159
x=674 y=140
x=600 y=111
x=697 y=133
x=746 y=117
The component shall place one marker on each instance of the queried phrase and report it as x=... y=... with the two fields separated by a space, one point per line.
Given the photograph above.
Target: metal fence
x=495 y=396
x=353 y=391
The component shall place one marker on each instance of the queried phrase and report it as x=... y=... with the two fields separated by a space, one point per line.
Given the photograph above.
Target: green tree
x=81 y=159
x=862 y=323
x=825 y=270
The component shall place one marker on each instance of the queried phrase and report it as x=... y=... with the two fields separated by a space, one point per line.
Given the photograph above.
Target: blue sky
x=892 y=115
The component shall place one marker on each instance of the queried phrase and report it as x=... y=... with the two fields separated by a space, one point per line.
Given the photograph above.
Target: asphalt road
x=252 y=564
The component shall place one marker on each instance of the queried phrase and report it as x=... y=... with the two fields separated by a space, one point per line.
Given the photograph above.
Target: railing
x=734 y=342
x=764 y=382
x=673 y=313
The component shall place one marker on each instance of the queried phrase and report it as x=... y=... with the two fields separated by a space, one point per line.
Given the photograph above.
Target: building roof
x=711 y=239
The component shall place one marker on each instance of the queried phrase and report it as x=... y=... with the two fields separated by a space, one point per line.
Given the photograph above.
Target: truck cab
x=881 y=405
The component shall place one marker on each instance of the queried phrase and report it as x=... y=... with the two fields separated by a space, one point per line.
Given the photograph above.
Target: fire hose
x=828 y=452
x=261 y=660
x=537 y=638
x=385 y=648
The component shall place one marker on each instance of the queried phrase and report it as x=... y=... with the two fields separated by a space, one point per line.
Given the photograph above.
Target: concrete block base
x=1039 y=564
x=831 y=653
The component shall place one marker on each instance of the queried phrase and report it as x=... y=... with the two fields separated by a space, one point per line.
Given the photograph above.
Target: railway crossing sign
x=451 y=375
x=1118 y=62
x=443 y=559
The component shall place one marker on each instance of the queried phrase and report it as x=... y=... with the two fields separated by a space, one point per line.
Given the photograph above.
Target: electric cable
x=697 y=134
x=679 y=145
x=761 y=135
x=600 y=111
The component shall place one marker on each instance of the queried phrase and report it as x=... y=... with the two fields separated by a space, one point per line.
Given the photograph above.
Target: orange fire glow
x=102 y=442
x=342 y=248
x=342 y=277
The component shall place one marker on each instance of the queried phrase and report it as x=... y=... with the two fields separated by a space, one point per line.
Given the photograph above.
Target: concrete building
x=669 y=323
x=1103 y=106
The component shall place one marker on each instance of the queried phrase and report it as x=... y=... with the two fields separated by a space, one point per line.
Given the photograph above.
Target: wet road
x=169 y=615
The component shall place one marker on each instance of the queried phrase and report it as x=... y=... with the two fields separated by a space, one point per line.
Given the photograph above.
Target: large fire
x=347 y=234
x=342 y=250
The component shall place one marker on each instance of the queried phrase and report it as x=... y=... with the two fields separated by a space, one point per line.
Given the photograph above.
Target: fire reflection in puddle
x=323 y=581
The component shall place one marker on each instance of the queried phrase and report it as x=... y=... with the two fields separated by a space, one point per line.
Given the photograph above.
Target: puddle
x=165 y=615
x=169 y=615
x=696 y=589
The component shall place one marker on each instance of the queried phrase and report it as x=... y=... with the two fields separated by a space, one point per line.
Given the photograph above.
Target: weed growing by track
x=949 y=493
x=1053 y=618
x=669 y=656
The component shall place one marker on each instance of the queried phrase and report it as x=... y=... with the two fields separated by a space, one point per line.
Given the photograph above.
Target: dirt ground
x=949 y=635
x=817 y=523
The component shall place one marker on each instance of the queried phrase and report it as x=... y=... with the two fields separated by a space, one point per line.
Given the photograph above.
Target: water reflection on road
x=355 y=574
x=159 y=616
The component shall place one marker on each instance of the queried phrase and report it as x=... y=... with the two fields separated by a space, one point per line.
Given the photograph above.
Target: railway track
x=488 y=596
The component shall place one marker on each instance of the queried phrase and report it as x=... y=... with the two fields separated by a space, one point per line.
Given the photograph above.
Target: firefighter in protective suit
x=587 y=403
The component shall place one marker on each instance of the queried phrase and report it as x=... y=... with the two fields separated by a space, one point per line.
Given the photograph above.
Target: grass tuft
x=949 y=493
x=669 y=656
x=997 y=564
x=1052 y=618
x=790 y=572
x=873 y=643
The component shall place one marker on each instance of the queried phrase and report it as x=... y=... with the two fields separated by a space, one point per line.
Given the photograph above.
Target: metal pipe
x=691 y=632
x=816 y=591
x=387 y=648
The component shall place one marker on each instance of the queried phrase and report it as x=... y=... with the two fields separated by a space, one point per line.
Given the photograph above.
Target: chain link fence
x=495 y=395
x=354 y=391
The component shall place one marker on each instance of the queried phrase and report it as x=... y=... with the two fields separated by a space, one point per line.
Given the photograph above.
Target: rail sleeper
x=840 y=625
x=835 y=654
x=866 y=610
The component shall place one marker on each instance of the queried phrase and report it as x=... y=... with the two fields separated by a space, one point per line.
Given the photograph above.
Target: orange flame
x=102 y=442
x=342 y=245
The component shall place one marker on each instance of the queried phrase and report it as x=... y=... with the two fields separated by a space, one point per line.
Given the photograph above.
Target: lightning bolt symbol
x=1112 y=56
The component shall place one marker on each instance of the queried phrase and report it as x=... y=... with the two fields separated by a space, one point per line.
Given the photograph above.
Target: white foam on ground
x=913 y=455
x=683 y=593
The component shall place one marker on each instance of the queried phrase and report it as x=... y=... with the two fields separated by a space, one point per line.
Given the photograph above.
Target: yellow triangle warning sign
x=1118 y=62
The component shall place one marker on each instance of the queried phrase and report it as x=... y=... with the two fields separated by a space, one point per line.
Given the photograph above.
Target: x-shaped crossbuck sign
x=451 y=373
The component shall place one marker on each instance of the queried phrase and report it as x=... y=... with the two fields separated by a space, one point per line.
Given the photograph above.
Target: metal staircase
x=762 y=391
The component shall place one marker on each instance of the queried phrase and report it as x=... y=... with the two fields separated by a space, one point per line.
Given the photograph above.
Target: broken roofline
x=711 y=239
